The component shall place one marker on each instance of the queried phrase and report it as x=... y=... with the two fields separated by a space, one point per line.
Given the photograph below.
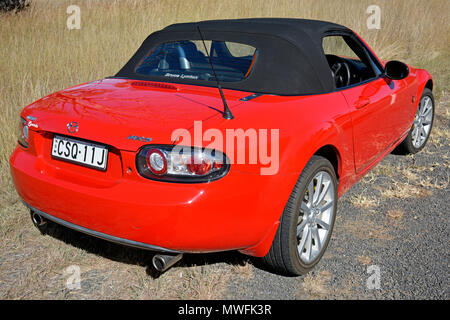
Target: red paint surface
x=239 y=211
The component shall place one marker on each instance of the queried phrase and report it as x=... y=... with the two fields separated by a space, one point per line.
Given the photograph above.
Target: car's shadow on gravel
x=141 y=257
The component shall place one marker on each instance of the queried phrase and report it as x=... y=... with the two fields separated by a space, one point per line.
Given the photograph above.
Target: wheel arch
x=429 y=84
x=331 y=153
x=425 y=80
x=325 y=131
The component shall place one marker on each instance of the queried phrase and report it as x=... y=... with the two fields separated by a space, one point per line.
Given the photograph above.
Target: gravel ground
x=412 y=255
x=395 y=219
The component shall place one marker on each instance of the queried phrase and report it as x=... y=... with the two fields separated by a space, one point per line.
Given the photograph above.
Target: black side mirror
x=396 y=70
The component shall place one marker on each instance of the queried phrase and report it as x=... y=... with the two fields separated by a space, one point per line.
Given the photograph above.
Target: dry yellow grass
x=320 y=286
x=395 y=214
x=243 y=270
x=363 y=201
x=367 y=229
x=365 y=260
x=315 y=286
x=40 y=55
x=401 y=190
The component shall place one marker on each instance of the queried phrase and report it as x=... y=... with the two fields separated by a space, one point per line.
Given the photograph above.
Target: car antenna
x=226 y=111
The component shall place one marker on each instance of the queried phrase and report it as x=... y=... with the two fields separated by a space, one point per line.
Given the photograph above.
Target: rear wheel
x=421 y=128
x=307 y=220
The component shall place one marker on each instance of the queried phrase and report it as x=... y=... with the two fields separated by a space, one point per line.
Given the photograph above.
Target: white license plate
x=80 y=152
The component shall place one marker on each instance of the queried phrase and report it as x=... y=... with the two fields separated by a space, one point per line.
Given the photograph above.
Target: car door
x=375 y=107
x=376 y=112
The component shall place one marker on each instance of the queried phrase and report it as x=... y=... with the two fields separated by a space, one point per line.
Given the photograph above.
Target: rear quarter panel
x=304 y=124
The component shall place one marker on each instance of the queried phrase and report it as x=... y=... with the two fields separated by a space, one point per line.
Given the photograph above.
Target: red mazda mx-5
x=221 y=135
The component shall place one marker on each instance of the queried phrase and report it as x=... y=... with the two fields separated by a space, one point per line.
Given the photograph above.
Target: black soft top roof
x=290 y=55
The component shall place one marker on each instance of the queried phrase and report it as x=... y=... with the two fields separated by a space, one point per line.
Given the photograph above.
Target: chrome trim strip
x=100 y=235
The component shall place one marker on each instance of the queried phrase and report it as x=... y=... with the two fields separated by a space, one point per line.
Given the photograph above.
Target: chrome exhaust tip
x=162 y=262
x=38 y=220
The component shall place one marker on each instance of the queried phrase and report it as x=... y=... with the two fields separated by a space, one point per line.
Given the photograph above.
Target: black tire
x=283 y=256
x=407 y=146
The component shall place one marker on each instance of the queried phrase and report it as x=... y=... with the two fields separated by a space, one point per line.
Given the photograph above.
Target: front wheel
x=307 y=220
x=421 y=128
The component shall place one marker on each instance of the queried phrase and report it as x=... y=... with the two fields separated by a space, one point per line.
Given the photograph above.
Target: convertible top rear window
x=285 y=55
x=187 y=59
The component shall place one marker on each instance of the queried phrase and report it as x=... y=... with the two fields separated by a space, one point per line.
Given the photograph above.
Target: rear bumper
x=100 y=235
x=232 y=213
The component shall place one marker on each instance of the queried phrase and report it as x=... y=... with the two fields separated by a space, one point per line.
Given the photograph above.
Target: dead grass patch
x=401 y=190
x=366 y=229
x=365 y=260
x=410 y=175
x=395 y=214
x=431 y=183
x=345 y=289
x=363 y=201
x=316 y=286
x=244 y=270
x=319 y=286
x=385 y=169
x=440 y=131
x=203 y=282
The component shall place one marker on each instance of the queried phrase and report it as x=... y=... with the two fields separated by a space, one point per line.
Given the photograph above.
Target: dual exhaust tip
x=161 y=262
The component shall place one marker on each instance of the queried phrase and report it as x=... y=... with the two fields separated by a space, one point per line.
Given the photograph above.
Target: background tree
x=13 y=5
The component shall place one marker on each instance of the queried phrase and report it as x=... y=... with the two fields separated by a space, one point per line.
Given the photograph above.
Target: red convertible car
x=221 y=135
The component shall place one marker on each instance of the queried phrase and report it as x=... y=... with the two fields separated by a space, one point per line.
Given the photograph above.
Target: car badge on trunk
x=72 y=127
x=142 y=139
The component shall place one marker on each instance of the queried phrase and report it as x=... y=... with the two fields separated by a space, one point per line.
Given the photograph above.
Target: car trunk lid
x=127 y=113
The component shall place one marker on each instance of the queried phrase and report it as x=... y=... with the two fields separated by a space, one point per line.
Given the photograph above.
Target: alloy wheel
x=422 y=122
x=316 y=216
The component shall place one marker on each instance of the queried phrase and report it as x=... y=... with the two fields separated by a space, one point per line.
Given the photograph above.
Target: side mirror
x=396 y=70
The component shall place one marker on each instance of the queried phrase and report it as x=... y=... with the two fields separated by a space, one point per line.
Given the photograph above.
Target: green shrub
x=13 y=5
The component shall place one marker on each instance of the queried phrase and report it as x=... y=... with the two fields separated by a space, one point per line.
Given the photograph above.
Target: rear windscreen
x=187 y=59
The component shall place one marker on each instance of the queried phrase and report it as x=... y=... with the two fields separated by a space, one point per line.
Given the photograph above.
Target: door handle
x=361 y=103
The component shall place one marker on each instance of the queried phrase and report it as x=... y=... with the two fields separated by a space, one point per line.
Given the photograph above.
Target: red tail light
x=199 y=166
x=181 y=164
x=156 y=161
x=23 y=133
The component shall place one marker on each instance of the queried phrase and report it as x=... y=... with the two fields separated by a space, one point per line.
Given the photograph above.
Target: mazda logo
x=72 y=127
